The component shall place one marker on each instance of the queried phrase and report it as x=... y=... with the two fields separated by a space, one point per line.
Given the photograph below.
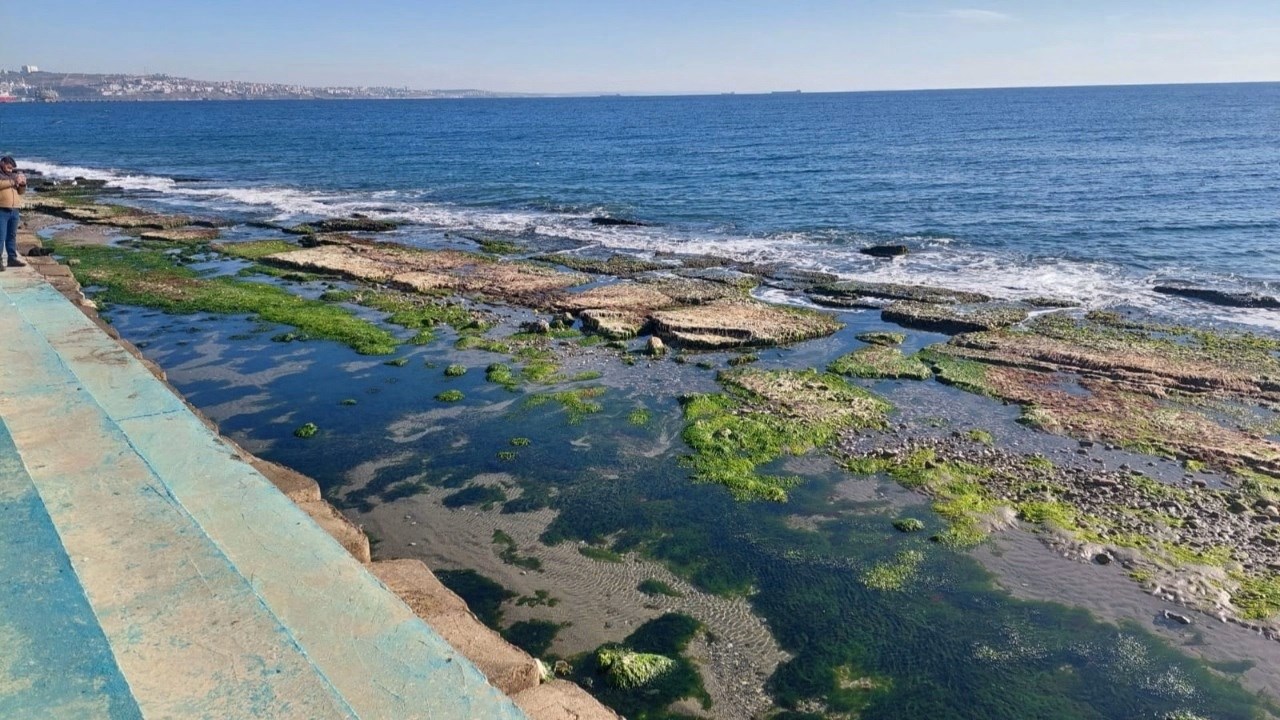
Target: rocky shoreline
x=1205 y=537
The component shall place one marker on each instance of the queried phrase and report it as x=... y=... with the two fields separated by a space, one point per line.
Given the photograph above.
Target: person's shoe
x=15 y=262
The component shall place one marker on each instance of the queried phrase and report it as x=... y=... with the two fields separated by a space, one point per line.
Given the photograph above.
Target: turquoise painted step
x=54 y=659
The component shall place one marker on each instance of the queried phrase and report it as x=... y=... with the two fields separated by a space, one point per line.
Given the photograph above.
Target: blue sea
x=1092 y=194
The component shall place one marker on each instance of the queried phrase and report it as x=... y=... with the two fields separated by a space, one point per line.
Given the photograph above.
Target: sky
x=655 y=46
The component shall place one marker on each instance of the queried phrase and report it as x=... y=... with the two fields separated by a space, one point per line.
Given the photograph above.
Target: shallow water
x=951 y=643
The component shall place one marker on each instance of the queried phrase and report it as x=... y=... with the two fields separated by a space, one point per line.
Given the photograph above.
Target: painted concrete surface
x=216 y=595
x=54 y=660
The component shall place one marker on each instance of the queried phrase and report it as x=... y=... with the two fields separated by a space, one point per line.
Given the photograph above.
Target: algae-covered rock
x=953 y=319
x=182 y=235
x=630 y=297
x=882 y=338
x=628 y=669
x=618 y=265
x=348 y=224
x=613 y=324
x=850 y=290
x=879 y=362
x=306 y=430
x=430 y=271
x=737 y=323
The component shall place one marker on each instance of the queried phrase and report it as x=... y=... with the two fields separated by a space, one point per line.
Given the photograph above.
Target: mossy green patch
x=508 y=551
x=764 y=416
x=629 y=669
x=1258 y=598
x=502 y=375
x=306 y=430
x=639 y=417
x=520 y=442
x=538 y=598
x=882 y=338
x=893 y=575
x=450 y=396
x=455 y=370
x=965 y=374
x=880 y=362
x=658 y=587
x=599 y=554
x=255 y=249
x=153 y=279
x=577 y=403
x=908 y=525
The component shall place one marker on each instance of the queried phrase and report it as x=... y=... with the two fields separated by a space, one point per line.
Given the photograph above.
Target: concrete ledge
x=418 y=587
x=562 y=700
x=510 y=669
x=339 y=528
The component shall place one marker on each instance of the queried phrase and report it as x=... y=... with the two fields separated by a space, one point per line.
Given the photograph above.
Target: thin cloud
x=978 y=16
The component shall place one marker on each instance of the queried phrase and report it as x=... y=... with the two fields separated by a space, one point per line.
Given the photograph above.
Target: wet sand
x=599 y=598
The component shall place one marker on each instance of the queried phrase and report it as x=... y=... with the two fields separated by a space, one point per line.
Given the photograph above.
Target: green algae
x=587 y=376
x=494 y=246
x=152 y=279
x=538 y=598
x=880 y=362
x=908 y=525
x=893 y=575
x=648 y=671
x=969 y=375
x=509 y=552
x=507 y=455
x=599 y=554
x=629 y=669
x=255 y=249
x=484 y=597
x=520 y=442
x=577 y=403
x=501 y=374
x=455 y=370
x=1258 y=598
x=398 y=362
x=764 y=416
x=656 y=587
x=639 y=417
x=306 y=430
x=882 y=338
x=533 y=636
x=982 y=437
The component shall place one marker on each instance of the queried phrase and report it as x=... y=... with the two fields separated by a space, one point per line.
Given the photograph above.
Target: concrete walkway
x=149 y=572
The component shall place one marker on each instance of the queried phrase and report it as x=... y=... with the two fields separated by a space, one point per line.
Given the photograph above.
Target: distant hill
x=45 y=86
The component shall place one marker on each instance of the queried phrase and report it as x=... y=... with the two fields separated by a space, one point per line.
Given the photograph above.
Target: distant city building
x=28 y=69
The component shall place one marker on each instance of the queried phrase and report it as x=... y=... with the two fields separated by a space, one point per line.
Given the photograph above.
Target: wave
x=935 y=258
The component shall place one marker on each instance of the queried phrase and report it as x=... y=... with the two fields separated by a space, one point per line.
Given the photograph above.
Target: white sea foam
x=934 y=260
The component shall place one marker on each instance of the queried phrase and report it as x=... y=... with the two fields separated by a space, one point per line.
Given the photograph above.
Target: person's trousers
x=9 y=231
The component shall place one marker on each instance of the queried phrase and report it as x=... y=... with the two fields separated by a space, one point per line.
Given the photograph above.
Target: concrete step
x=216 y=595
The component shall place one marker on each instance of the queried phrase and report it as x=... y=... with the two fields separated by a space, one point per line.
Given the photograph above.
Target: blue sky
x=655 y=46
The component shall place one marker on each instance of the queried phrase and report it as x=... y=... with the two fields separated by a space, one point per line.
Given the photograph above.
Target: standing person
x=12 y=186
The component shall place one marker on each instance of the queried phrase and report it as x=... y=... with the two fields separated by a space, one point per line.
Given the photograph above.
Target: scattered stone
x=537 y=327
x=655 y=347
x=1176 y=617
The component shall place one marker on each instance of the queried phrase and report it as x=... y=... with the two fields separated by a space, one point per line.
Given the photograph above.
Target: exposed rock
x=182 y=235
x=857 y=289
x=1227 y=298
x=737 y=323
x=634 y=298
x=880 y=362
x=538 y=327
x=952 y=319
x=882 y=338
x=655 y=347
x=348 y=224
x=884 y=251
x=608 y=221
x=614 y=324
x=430 y=271
x=618 y=265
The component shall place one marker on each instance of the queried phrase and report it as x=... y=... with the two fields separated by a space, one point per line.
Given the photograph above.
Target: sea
x=1090 y=194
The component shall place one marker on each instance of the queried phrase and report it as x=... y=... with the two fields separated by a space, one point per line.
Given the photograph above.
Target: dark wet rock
x=612 y=222
x=618 y=265
x=859 y=290
x=538 y=327
x=952 y=319
x=887 y=339
x=1102 y=559
x=1227 y=298
x=1050 y=302
x=1176 y=617
x=884 y=251
x=340 y=225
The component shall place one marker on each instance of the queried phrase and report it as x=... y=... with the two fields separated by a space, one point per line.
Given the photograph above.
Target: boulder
x=884 y=251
